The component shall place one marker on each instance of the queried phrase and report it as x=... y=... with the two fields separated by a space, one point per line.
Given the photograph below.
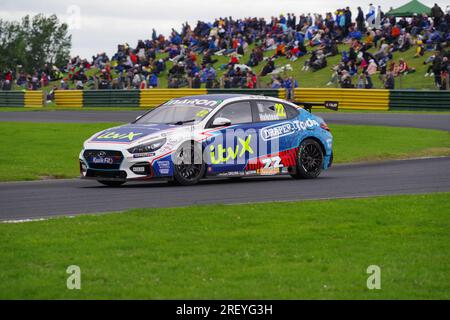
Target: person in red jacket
x=395 y=32
x=133 y=58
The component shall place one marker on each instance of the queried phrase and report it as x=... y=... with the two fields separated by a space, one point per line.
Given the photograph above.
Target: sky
x=98 y=26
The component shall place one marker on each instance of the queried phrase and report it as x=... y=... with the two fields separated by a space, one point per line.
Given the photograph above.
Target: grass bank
x=297 y=250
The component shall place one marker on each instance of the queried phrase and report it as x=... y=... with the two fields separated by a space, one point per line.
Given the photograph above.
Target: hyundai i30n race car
x=226 y=135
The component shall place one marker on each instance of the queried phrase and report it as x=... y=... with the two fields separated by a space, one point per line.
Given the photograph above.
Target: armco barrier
x=155 y=97
x=419 y=100
x=12 y=98
x=69 y=98
x=34 y=99
x=111 y=98
x=356 y=99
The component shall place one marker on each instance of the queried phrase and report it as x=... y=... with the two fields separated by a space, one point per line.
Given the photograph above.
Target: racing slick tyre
x=309 y=160
x=111 y=183
x=189 y=166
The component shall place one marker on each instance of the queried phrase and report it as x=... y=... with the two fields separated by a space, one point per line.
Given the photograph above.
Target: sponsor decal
x=307 y=124
x=112 y=135
x=163 y=164
x=202 y=113
x=221 y=155
x=195 y=102
x=277 y=131
x=268 y=171
x=231 y=174
x=332 y=105
x=286 y=128
x=164 y=171
x=143 y=155
x=102 y=160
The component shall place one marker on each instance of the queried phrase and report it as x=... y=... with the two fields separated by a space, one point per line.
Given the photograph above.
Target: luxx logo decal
x=221 y=154
x=118 y=136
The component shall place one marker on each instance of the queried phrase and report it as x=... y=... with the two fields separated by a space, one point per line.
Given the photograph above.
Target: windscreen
x=176 y=114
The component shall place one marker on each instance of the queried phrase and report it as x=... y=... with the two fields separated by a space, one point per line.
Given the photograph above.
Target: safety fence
x=21 y=98
x=69 y=98
x=111 y=98
x=353 y=99
x=419 y=100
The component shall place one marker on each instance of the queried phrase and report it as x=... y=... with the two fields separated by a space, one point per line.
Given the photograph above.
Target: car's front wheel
x=189 y=167
x=111 y=183
x=309 y=160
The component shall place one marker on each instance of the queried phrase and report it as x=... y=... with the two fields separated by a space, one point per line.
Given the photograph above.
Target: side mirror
x=221 y=122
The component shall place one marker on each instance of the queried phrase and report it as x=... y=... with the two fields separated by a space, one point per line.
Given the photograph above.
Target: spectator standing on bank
x=289 y=85
x=389 y=82
x=360 y=20
x=436 y=14
x=445 y=70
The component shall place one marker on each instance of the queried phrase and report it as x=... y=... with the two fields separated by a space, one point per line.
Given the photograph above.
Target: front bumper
x=115 y=165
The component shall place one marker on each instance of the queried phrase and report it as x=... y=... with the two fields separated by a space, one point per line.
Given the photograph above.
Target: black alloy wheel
x=309 y=160
x=189 y=167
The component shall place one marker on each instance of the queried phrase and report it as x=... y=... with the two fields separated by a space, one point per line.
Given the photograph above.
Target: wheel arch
x=322 y=146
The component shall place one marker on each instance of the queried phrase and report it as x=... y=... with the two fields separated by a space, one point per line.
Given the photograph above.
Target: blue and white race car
x=226 y=135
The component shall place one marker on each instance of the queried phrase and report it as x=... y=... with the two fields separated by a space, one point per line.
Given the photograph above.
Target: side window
x=291 y=111
x=271 y=111
x=238 y=112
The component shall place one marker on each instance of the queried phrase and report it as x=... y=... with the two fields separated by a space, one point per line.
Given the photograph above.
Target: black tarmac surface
x=21 y=200
x=36 y=199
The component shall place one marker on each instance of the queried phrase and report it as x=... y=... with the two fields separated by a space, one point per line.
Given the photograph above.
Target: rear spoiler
x=332 y=105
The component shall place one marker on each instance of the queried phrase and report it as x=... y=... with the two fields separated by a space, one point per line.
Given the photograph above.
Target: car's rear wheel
x=111 y=183
x=309 y=160
x=189 y=167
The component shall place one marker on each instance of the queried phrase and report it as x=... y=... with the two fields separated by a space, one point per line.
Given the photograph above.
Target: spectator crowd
x=212 y=54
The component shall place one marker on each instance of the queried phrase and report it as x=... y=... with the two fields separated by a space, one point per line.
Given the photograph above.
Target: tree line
x=32 y=42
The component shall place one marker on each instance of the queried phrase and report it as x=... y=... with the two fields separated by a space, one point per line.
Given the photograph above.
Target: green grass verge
x=297 y=250
x=30 y=151
x=372 y=143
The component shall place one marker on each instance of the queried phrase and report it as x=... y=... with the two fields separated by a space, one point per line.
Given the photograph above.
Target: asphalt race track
x=21 y=200
x=416 y=120
x=36 y=199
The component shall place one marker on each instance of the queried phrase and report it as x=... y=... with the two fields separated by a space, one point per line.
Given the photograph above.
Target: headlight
x=149 y=147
